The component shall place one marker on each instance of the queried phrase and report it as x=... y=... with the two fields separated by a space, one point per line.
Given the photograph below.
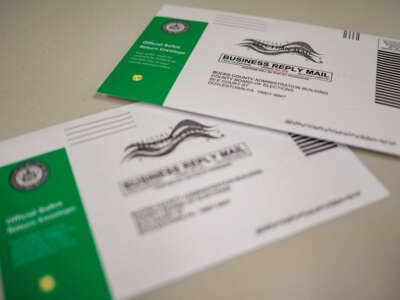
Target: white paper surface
x=258 y=71
x=193 y=191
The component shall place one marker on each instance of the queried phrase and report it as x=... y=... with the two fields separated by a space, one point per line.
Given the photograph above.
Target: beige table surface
x=53 y=56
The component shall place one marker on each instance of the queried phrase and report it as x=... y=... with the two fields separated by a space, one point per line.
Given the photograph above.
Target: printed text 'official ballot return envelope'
x=114 y=204
x=327 y=83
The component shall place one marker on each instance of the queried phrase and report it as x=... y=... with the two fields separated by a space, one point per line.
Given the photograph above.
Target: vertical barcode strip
x=310 y=146
x=351 y=35
x=387 y=90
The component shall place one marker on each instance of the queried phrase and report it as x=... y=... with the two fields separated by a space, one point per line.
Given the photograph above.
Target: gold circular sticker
x=47 y=283
x=137 y=77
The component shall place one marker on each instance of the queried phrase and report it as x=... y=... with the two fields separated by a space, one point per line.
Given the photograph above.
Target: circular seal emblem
x=29 y=175
x=175 y=27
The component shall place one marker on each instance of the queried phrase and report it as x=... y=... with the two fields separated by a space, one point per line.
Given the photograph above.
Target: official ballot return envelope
x=332 y=84
x=120 y=202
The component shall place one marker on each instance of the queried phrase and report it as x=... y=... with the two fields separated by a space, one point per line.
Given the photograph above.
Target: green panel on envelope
x=152 y=65
x=46 y=247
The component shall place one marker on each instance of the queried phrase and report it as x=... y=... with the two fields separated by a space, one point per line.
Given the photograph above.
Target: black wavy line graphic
x=299 y=48
x=182 y=131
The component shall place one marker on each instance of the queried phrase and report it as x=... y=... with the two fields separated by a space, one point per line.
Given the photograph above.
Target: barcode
x=351 y=35
x=387 y=90
x=310 y=145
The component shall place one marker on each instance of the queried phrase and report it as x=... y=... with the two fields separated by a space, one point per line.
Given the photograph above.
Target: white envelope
x=327 y=83
x=123 y=201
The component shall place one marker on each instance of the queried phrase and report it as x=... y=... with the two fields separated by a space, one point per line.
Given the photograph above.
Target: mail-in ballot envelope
x=117 y=203
x=327 y=83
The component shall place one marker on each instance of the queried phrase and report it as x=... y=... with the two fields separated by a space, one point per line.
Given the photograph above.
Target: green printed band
x=46 y=247
x=152 y=65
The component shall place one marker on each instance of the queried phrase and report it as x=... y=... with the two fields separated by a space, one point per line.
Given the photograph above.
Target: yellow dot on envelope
x=137 y=77
x=47 y=283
